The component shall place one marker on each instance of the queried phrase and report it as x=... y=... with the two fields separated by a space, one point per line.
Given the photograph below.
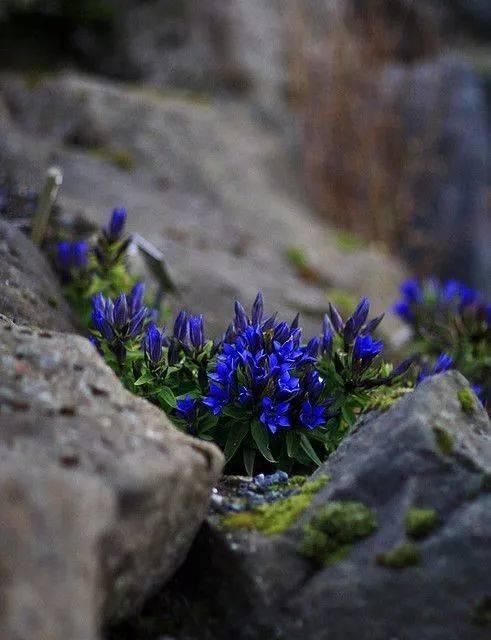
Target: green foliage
x=420 y=522
x=334 y=529
x=278 y=517
x=405 y=555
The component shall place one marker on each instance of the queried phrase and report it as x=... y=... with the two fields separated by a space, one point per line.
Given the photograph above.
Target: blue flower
x=312 y=415
x=257 y=310
x=153 y=343
x=187 y=409
x=196 y=331
x=366 y=349
x=181 y=327
x=218 y=397
x=411 y=291
x=116 y=225
x=122 y=320
x=443 y=363
x=288 y=385
x=72 y=256
x=274 y=414
x=327 y=336
x=403 y=310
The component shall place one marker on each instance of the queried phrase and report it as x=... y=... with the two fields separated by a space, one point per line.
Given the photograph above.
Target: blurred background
x=313 y=149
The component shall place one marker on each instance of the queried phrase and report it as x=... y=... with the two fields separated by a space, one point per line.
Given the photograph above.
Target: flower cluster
x=72 y=259
x=120 y=324
x=261 y=393
x=450 y=325
x=87 y=268
x=265 y=379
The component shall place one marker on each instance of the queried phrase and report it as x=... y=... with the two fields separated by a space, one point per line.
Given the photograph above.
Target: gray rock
x=424 y=452
x=29 y=290
x=52 y=525
x=61 y=407
x=209 y=187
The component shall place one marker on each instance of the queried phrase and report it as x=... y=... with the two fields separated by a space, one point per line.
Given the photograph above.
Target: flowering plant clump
x=450 y=323
x=264 y=395
x=87 y=268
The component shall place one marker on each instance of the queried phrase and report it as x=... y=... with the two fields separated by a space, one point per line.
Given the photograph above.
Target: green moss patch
x=405 y=555
x=444 y=441
x=467 y=400
x=275 y=518
x=421 y=522
x=333 y=530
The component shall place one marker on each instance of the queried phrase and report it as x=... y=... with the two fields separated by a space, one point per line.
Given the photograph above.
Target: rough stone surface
x=208 y=186
x=52 y=525
x=29 y=290
x=61 y=407
x=391 y=463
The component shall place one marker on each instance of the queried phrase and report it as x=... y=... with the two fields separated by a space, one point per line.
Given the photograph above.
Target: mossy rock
x=421 y=522
x=333 y=530
x=405 y=555
x=278 y=517
x=444 y=440
x=467 y=400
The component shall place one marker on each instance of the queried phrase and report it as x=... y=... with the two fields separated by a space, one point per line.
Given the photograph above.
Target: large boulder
x=62 y=412
x=29 y=290
x=409 y=559
x=204 y=182
x=52 y=523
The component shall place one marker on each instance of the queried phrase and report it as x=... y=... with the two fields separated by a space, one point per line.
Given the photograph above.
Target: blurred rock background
x=307 y=148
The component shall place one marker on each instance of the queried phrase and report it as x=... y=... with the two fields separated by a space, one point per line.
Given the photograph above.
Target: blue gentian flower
x=196 y=331
x=327 y=336
x=72 y=257
x=366 y=349
x=116 y=224
x=122 y=320
x=274 y=414
x=187 y=409
x=411 y=291
x=444 y=363
x=153 y=343
x=312 y=415
x=218 y=397
x=257 y=310
x=181 y=327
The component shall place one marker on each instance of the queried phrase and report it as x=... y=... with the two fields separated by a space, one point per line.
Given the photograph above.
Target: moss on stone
x=421 y=522
x=405 y=555
x=332 y=531
x=467 y=400
x=383 y=398
x=275 y=518
x=348 y=241
x=444 y=440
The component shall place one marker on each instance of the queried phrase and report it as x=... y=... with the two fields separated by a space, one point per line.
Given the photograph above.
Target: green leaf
x=292 y=443
x=144 y=379
x=309 y=450
x=249 y=457
x=233 y=412
x=237 y=432
x=348 y=414
x=166 y=396
x=261 y=438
